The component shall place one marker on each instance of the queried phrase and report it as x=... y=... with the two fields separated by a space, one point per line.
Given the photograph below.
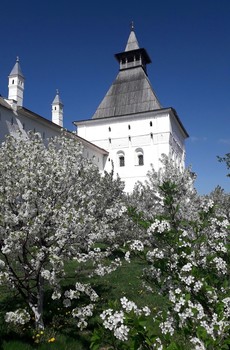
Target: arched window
x=121 y=158
x=139 y=156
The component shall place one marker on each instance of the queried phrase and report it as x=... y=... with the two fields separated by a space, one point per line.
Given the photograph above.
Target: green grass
x=125 y=281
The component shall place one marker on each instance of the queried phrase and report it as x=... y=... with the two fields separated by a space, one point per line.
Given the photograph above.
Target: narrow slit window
x=140 y=159
x=122 y=161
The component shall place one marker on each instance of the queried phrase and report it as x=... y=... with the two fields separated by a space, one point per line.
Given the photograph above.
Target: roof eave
x=179 y=122
x=131 y=53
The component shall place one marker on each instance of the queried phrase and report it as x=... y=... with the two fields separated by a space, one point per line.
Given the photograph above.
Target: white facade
x=136 y=142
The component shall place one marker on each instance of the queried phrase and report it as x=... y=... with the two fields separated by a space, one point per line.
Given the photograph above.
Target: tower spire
x=133 y=56
x=16 y=84
x=57 y=110
x=132 y=26
x=132 y=43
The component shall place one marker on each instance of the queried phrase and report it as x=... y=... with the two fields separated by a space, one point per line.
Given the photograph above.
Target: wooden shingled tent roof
x=131 y=92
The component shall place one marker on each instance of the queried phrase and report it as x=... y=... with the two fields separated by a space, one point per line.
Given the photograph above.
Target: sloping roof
x=17 y=69
x=132 y=43
x=130 y=93
x=57 y=99
x=4 y=103
x=44 y=121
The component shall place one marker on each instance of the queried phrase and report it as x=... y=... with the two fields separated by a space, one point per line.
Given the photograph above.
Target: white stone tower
x=16 y=84
x=57 y=110
x=130 y=122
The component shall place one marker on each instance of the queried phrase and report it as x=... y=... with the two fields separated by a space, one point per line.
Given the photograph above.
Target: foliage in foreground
x=56 y=209
x=187 y=260
x=226 y=160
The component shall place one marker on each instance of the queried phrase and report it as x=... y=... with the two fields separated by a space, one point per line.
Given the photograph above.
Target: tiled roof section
x=17 y=69
x=132 y=43
x=130 y=93
x=4 y=103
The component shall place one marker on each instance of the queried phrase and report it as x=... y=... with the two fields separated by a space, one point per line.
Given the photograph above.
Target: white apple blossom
x=56 y=207
x=19 y=316
x=137 y=245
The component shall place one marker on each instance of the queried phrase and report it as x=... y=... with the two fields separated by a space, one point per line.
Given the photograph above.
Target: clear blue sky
x=70 y=45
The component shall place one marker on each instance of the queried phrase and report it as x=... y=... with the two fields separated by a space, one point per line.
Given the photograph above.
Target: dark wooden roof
x=130 y=93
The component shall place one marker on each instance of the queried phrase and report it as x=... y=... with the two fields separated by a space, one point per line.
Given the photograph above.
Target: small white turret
x=16 y=84
x=57 y=110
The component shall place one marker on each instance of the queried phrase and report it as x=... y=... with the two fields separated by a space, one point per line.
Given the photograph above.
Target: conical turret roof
x=57 y=99
x=17 y=69
x=132 y=43
x=131 y=92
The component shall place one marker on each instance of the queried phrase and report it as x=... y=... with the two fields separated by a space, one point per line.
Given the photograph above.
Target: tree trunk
x=38 y=308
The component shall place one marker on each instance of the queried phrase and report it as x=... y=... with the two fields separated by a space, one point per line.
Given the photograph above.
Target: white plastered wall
x=126 y=136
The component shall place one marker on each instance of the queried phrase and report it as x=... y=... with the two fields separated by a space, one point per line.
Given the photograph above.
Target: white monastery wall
x=177 y=146
x=11 y=123
x=96 y=158
x=130 y=137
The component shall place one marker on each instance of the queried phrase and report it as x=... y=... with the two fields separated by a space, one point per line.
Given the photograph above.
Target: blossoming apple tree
x=54 y=206
x=185 y=242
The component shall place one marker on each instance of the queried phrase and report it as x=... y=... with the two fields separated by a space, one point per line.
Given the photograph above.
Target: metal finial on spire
x=17 y=59
x=57 y=91
x=132 y=26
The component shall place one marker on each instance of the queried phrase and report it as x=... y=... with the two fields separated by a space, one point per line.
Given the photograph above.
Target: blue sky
x=70 y=45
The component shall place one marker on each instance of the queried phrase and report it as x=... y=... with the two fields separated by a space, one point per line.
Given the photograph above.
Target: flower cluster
x=159 y=226
x=19 y=316
x=82 y=313
x=115 y=321
x=102 y=270
x=137 y=245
